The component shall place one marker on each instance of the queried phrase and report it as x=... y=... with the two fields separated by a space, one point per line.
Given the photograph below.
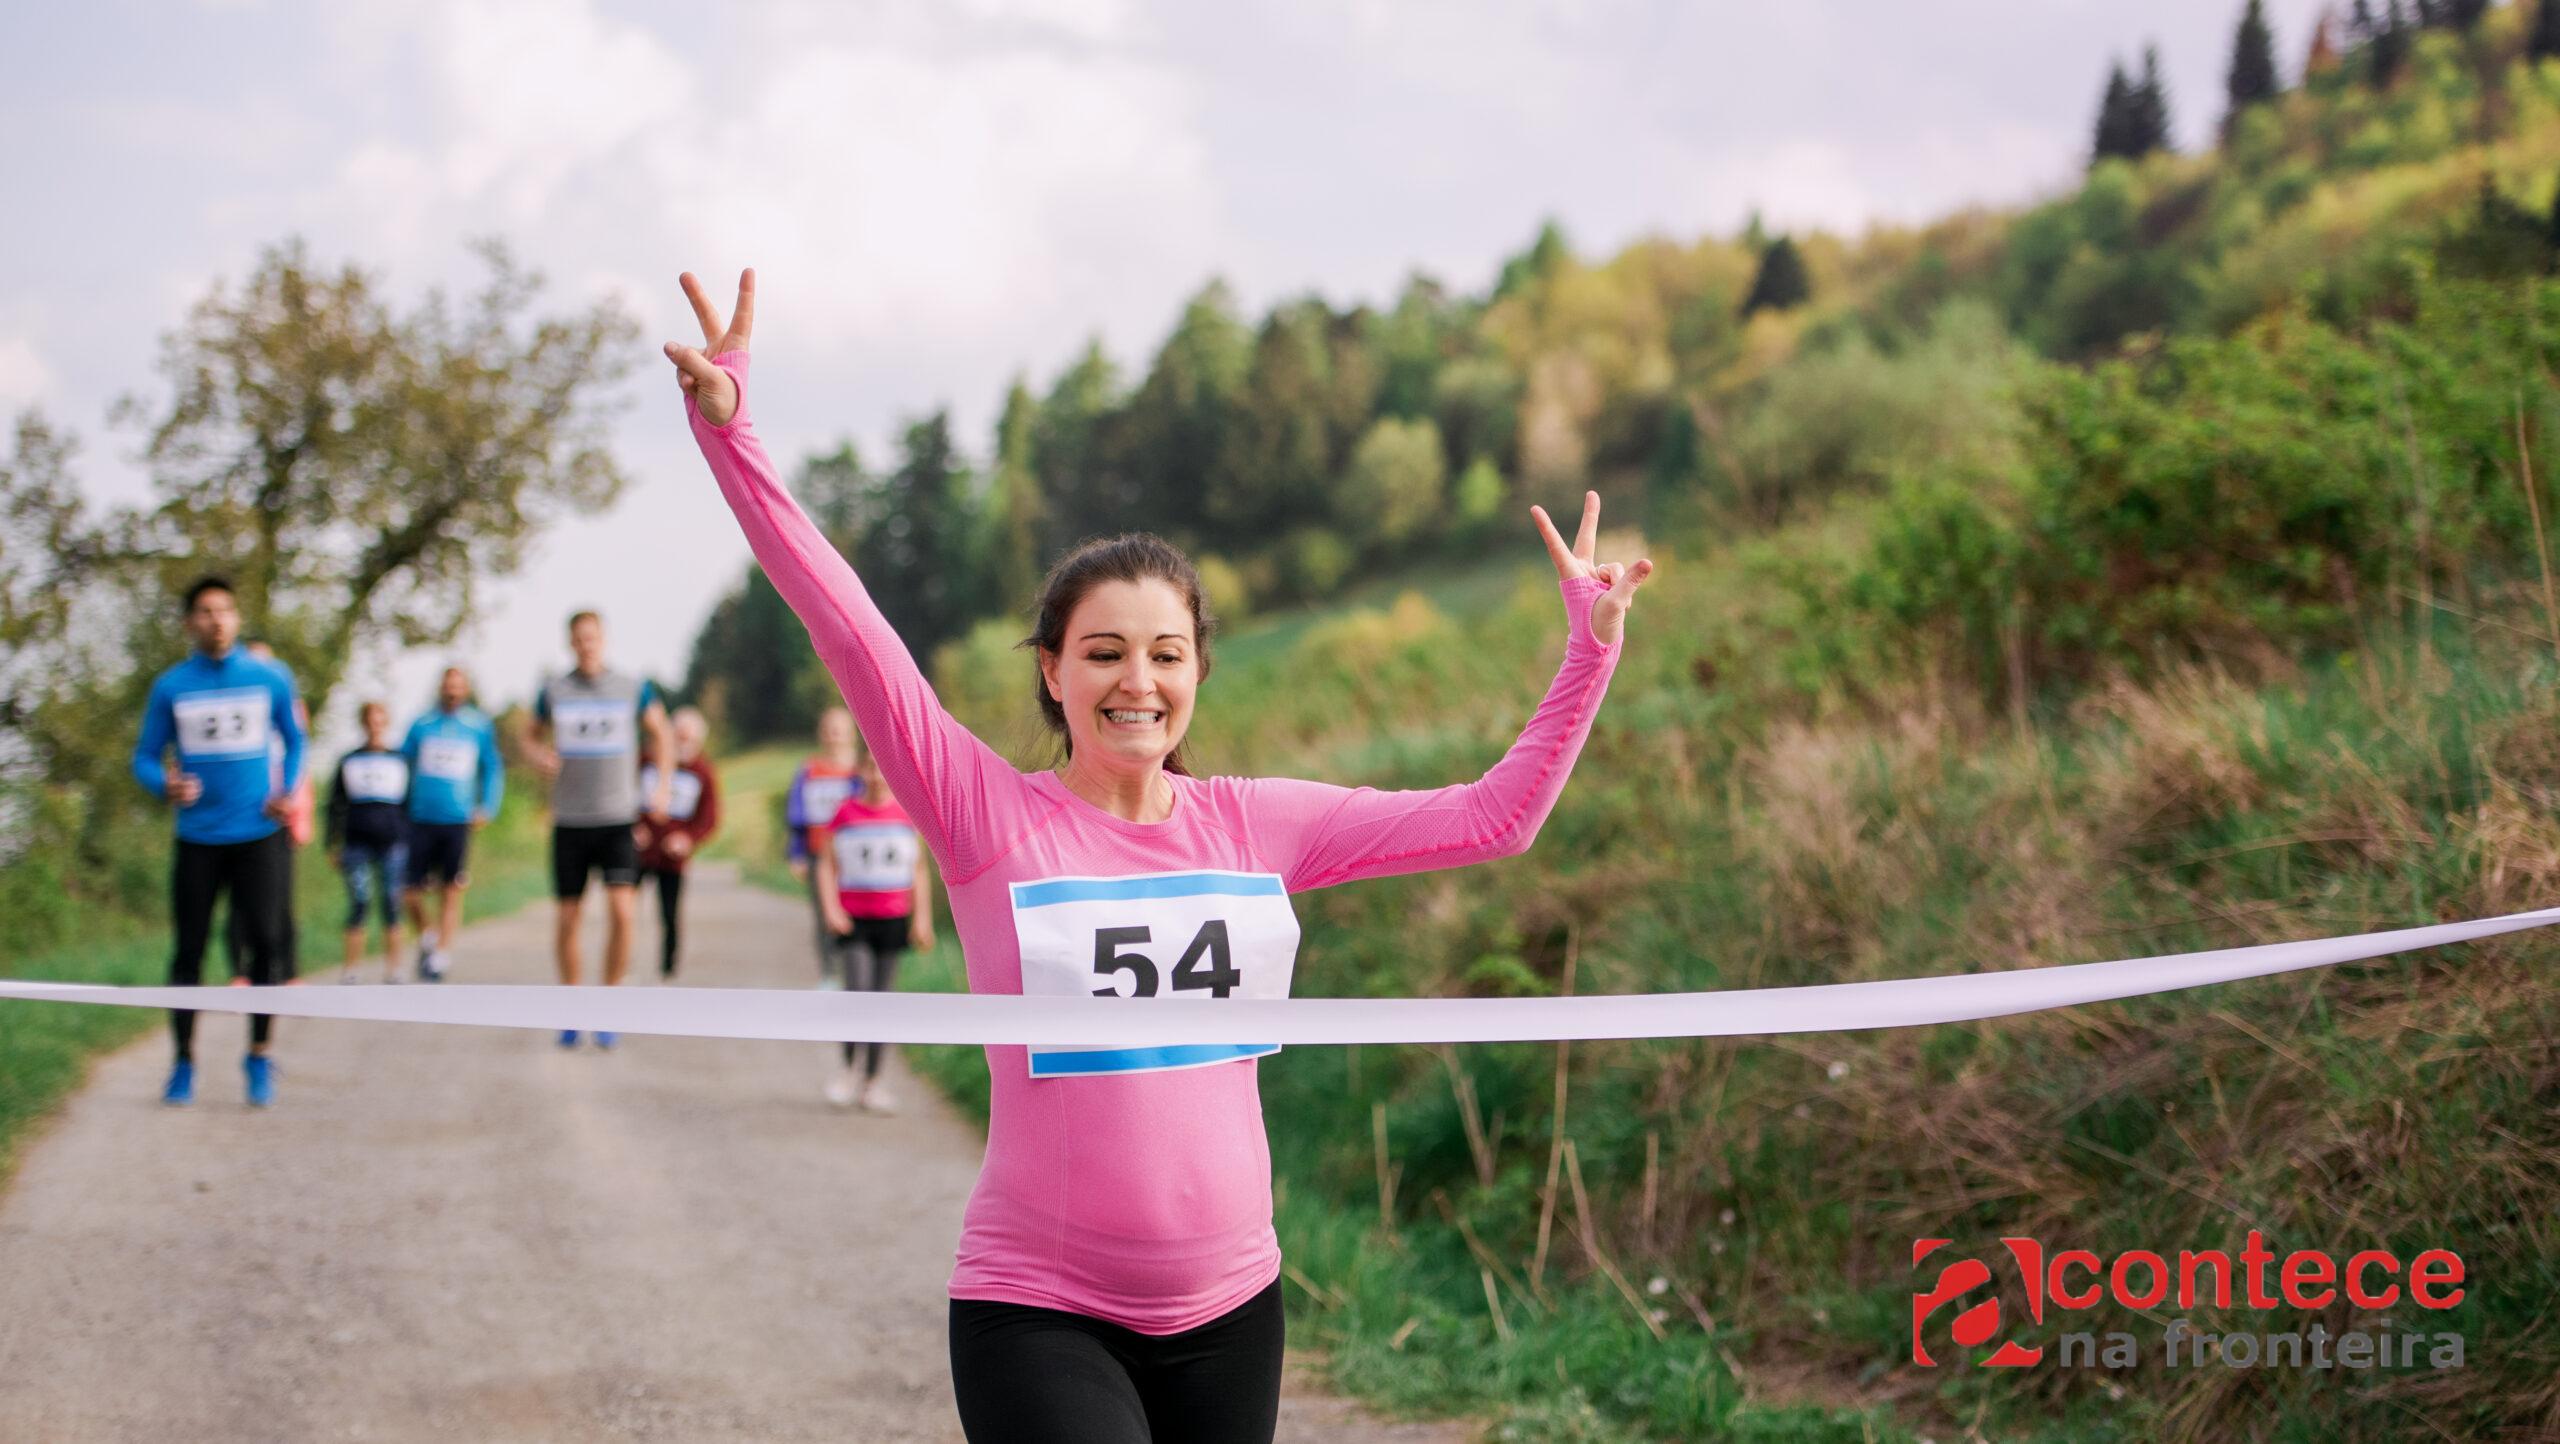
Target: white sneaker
x=843 y=1088
x=876 y=1098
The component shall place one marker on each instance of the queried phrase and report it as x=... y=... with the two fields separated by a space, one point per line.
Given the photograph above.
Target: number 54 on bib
x=1202 y=935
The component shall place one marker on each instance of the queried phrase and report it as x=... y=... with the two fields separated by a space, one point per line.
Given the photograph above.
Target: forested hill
x=1715 y=384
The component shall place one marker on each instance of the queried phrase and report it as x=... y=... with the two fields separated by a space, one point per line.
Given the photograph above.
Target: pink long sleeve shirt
x=1142 y=1198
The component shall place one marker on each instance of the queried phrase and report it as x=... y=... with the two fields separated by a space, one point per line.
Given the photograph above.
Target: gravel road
x=471 y=1233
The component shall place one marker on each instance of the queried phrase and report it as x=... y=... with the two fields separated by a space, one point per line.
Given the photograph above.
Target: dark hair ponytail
x=1130 y=557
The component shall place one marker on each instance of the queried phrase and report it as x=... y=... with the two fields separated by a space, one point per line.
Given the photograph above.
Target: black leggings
x=1024 y=1375
x=259 y=877
x=867 y=959
x=670 y=883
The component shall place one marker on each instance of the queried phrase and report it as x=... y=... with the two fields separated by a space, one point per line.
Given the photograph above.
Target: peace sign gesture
x=713 y=393
x=1609 y=611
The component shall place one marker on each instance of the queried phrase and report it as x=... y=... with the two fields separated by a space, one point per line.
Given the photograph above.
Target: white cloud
x=25 y=379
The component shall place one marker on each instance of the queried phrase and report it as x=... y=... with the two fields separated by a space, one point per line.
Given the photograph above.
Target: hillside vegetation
x=2156 y=569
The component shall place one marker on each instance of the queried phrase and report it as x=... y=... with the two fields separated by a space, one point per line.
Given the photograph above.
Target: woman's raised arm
x=973 y=803
x=1318 y=834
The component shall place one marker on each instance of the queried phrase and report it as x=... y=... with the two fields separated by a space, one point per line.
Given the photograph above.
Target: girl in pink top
x=875 y=897
x=1118 y=1273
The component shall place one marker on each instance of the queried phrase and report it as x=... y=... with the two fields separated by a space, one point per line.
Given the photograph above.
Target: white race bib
x=452 y=759
x=376 y=779
x=821 y=796
x=1157 y=935
x=223 y=724
x=593 y=728
x=682 y=797
x=875 y=857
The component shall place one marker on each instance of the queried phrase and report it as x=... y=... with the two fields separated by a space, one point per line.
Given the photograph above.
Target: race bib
x=875 y=857
x=451 y=759
x=821 y=796
x=376 y=779
x=592 y=728
x=682 y=798
x=1158 y=935
x=223 y=724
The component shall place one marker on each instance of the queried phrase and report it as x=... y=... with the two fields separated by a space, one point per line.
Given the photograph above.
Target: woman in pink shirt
x=1118 y=1277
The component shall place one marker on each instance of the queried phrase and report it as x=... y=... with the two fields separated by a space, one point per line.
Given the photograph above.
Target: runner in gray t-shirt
x=585 y=737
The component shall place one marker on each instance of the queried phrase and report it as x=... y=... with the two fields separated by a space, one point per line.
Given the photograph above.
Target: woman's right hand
x=711 y=389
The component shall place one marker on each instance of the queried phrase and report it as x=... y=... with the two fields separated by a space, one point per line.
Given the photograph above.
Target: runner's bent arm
x=974 y=802
x=1318 y=834
x=159 y=729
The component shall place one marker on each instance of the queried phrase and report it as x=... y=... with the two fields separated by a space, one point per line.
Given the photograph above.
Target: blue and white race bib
x=376 y=779
x=593 y=728
x=454 y=759
x=875 y=857
x=230 y=723
x=683 y=795
x=1156 y=935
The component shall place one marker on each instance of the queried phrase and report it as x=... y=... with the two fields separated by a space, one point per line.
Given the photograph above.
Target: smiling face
x=1125 y=673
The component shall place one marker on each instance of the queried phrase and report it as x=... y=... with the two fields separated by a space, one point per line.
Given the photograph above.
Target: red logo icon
x=1978 y=1324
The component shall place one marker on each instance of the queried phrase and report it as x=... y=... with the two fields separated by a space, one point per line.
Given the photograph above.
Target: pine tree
x=2543 y=42
x=2389 y=51
x=2150 y=109
x=1782 y=282
x=2114 y=139
x=2253 y=64
x=2464 y=14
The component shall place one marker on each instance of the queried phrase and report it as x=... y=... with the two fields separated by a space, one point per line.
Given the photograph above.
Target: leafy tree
x=1781 y=282
x=2361 y=25
x=837 y=493
x=1172 y=425
x=1412 y=343
x=2464 y=14
x=2543 y=41
x=750 y=664
x=1274 y=462
x=2253 y=64
x=1392 y=488
x=2499 y=239
x=916 y=557
x=361 y=474
x=1013 y=560
x=1545 y=256
x=1069 y=448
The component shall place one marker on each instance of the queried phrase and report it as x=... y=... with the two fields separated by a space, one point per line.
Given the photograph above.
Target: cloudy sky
x=940 y=194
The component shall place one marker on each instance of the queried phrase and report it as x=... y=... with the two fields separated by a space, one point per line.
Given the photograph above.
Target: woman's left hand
x=1609 y=611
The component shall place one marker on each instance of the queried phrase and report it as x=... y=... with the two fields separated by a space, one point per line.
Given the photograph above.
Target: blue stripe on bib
x=1125 y=1060
x=1172 y=884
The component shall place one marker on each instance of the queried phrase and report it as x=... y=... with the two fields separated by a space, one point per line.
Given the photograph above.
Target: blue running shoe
x=261 y=1072
x=568 y=1037
x=605 y=1041
x=180 y=1090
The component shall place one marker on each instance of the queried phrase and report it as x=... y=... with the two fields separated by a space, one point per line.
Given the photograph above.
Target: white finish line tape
x=813 y=1016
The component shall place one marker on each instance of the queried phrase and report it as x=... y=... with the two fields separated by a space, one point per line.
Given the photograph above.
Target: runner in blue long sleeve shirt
x=218 y=709
x=457 y=780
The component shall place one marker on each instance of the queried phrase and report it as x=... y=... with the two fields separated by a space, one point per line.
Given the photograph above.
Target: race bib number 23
x=1158 y=935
